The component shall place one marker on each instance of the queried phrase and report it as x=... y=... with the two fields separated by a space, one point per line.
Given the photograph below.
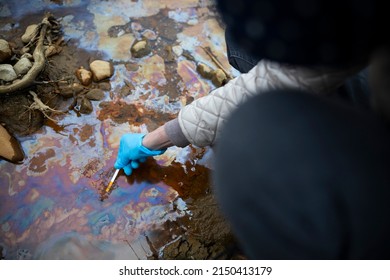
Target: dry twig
x=216 y=61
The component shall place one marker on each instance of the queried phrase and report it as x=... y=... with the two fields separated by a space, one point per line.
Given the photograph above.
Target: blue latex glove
x=131 y=152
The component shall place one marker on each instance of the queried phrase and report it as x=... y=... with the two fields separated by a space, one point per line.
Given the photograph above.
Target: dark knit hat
x=307 y=32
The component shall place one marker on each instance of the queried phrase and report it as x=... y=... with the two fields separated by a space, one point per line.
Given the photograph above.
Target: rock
x=66 y=91
x=77 y=88
x=101 y=70
x=205 y=71
x=85 y=105
x=140 y=48
x=70 y=90
x=5 y=51
x=10 y=148
x=7 y=73
x=105 y=86
x=84 y=76
x=22 y=66
x=218 y=78
x=29 y=33
x=95 y=94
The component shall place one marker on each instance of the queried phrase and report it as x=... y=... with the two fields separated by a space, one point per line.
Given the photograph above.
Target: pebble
x=204 y=70
x=101 y=70
x=105 y=86
x=7 y=73
x=140 y=49
x=22 y=66
x=219 y=78
x=84 y=76
x=5 y=51
x=95 y=94
x=85 y=105
x=29 y=33
x=10 y=148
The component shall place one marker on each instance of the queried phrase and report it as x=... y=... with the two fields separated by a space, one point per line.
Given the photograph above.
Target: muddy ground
x=204 y=234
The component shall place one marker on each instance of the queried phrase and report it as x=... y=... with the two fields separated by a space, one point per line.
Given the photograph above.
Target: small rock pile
x=14 y=63
x=9 y=72
x=85 y=90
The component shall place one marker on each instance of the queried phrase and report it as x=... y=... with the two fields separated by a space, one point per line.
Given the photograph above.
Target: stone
x=22 y=66
x=95 y=94
x=85 y=105
x=10 y=148
x=105 y=86
x=67 y=90
x=5 y=51
x=7 y=73
x=29 y=33
x=219 y=78
x=84 y=76
x=101 y=70
x=77 y=88
x=140 y=49
x=205 y=71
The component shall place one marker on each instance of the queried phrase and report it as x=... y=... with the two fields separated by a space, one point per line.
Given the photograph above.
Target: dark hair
x=307 y=32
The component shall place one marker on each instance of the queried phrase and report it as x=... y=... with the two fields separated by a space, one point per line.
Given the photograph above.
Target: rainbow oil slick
x=51 y=205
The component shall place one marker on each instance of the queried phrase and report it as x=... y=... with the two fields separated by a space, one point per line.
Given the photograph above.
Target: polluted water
x=65 y=200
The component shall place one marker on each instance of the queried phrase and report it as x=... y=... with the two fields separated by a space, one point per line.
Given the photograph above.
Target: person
x=299 y=175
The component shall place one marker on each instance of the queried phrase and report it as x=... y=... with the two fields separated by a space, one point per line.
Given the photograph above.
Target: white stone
x=29 y=33
x=7 y=73
x=22 y=66
x=5 y=50
x=101 y=70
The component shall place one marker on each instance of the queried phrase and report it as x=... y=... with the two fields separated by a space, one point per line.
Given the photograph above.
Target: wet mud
x=121 y=112
x=54 y=205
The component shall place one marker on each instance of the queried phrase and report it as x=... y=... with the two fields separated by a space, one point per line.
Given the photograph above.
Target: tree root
x=39 y=105
x=38 y=55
